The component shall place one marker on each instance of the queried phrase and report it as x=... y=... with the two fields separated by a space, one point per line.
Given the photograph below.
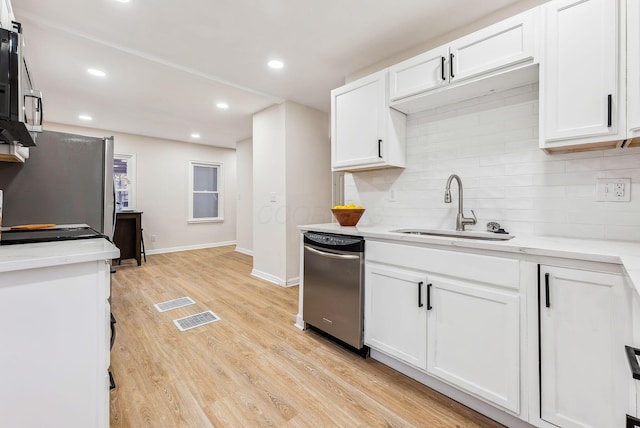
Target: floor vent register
x=174 y=304
x=197 y=320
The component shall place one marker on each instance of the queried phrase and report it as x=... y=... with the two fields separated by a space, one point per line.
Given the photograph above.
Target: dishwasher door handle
x=331 y=255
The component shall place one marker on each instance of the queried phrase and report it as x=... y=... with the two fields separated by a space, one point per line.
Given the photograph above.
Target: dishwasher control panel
x=338 y=242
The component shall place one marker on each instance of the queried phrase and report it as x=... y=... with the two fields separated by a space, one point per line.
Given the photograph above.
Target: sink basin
x=467 y=234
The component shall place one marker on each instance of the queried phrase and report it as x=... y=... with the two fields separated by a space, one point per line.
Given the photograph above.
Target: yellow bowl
x=348 y=216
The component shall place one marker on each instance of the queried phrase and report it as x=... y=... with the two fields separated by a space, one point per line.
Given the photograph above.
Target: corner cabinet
x=365 y=132
x=582 y=91
x=584 y=325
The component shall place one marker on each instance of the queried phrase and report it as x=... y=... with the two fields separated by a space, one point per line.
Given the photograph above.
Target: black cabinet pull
x=546 y=290
x=609 y=110
x=380 y=149
x=632 y=354
x=420 y=294
x=632 y=422
x=429 y=307
x=442 y=60
x=451 y=65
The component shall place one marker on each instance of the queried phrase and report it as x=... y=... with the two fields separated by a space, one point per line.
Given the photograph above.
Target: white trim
x=244 y=251
x=474 y=403
x=299 y=324
x=219 y=191
x=189 y=247
x=274 y=279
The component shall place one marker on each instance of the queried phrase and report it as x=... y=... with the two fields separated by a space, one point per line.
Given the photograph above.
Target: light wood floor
x=251 y=368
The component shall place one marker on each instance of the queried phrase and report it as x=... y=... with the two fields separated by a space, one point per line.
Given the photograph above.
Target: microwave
x=20 y=102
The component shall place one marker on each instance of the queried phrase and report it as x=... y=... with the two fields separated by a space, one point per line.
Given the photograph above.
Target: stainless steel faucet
x=461 y=220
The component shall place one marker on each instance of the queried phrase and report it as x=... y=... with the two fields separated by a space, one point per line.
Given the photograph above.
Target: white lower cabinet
x=420 y=310
x=473 y=339
x=395 y=314
x=584 y=325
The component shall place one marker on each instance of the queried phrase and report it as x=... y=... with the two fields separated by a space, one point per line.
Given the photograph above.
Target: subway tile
x=492 y=143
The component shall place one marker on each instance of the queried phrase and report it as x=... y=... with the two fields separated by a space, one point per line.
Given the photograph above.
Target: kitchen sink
x=466 y=234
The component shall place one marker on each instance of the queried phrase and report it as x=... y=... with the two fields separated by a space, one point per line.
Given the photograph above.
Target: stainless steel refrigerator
x=67 y=179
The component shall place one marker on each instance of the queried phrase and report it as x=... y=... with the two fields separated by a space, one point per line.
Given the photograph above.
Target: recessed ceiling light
x=194 y=135
x=85 y=117
x=96 y=72
x=274 y=63
x=222 y=106
x=123 y=1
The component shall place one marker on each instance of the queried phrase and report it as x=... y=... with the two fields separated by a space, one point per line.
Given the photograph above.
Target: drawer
x=475 y=267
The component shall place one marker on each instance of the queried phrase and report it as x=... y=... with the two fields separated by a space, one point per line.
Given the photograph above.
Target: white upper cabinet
x=633 y=68
x=501 y=45
x=365 y=132
x=421 y=73
x=506 y=44
x=582 y=97
x=6 y=14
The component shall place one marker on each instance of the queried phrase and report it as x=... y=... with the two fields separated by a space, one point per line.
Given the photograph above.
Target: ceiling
x=168 y=63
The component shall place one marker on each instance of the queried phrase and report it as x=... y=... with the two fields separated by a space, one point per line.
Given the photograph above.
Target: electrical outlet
x=613 y=189
x=153 y=238
x=392 y=195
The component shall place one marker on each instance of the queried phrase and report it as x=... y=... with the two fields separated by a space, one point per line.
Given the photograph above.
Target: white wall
x=308 y=176
x=492 y=143
x=162 y=168
x=269 y=216
x=244 y=189
x=291 y=164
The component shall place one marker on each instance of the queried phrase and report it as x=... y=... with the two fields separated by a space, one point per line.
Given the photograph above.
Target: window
x=124 y=173
x=205 y=195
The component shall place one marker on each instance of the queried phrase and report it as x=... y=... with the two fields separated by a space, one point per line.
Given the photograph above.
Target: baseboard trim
x=244 y=251
x=299 y=324
x=274 y=279
x=189 y=247
x=452 y=392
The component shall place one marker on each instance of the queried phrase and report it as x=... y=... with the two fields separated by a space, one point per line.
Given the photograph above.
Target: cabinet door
x=579 y=79
x=357 y=120
x=506 y=43
x=583 y=325
x=474 y=339
x=421 y=73
x=633 y=67
x=395 y=318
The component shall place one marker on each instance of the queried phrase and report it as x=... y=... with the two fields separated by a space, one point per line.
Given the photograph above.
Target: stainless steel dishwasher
x=333 y=287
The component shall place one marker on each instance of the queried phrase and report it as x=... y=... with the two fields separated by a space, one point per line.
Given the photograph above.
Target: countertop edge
x=625 y=253
x=32 y=256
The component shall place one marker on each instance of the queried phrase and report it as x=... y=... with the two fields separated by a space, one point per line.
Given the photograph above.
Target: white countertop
x=625 y=253
x=44 y=254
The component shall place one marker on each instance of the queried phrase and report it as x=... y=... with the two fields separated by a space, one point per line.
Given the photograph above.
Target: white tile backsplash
x=491 y=142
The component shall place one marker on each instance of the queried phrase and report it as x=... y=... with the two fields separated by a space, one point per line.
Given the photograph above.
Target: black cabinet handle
x=429 y=307
x=380 y=149
x=546 y=290
x=451 y=65
x=632 y=422
x=632 y=354
x=609 y=110
x=442 y=60
x=420 y=294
